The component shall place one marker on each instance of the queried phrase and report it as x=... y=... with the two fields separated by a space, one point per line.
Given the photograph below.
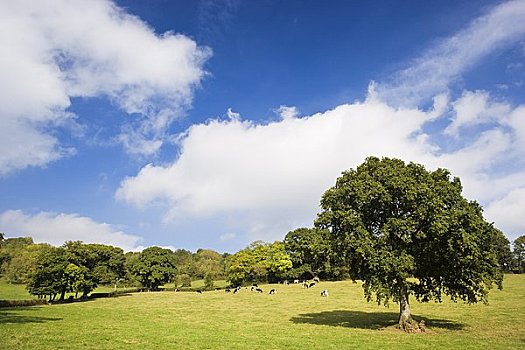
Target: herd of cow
x=255 y=287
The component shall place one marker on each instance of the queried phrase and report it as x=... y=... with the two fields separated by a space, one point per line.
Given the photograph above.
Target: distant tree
x=99 y=264
x=404 y=230
x=49 y=278
x=310 y=252
x=519 y=253
x=258 y=262
x=502 y=248
x=154 y=266
x=207 y=261
x=184 y=262
x=208 y=280
x=184 y=280
x=23 y=264
x=10 y=248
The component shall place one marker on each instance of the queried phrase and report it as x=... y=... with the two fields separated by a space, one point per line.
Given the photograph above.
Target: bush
x=208 y=281
x=17 y=303
x=184 y=280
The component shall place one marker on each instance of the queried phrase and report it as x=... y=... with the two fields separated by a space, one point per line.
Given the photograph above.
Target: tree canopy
x=404 y=230
x=258 y=262
x=154 y=266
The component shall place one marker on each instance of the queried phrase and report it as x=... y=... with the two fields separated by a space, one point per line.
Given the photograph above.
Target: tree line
x=79 y=268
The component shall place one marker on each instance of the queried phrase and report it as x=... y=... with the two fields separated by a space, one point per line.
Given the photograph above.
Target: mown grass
x=10 y=291
x=294 y=318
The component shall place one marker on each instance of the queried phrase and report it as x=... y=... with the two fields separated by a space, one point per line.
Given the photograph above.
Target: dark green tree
x=99 y=264
x=310 y=252
x=154 y=266
x=50 y=277
x=403 y=230
x=519 y=254
x=502 y=248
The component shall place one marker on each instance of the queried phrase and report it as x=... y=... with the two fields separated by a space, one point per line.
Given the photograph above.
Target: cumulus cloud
x=473 y=109
x=508 y=212
x=56 y=228
x=271 y=176
x=443 y=63
x=55 y=50
x=287 y=112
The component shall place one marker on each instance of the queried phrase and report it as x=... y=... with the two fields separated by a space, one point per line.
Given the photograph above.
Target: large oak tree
x=405 y=231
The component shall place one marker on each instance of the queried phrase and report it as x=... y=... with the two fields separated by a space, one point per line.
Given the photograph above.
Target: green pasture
x=294 y=318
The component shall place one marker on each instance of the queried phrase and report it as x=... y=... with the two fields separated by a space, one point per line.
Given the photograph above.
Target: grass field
x=294 y=318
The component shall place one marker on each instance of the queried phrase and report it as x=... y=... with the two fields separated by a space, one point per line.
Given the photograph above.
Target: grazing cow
x=296 y=281
x=259 y=290
x=199 y=291
x=285 y=282
x=316 y=279
x=305 y=285
x=227 y=290
x=176 y=289
x=272 y=291
x=324 y=293
x=237 y=290
x=255 y=285
x=311 y=285
x=252 y=288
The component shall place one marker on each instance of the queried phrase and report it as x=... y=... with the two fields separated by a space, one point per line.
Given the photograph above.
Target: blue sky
x=212 y=123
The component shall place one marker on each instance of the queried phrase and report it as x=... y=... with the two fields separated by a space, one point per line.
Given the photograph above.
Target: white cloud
x=272 y=176
x=233 y=115
x=432 y=72
x=55 y=50
x=275 y=173
x=56 y=228
x=475 y=109
x=508 y=212
x=287 y=112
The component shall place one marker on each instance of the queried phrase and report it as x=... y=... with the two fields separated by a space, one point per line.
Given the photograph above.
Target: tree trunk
x=406 y=322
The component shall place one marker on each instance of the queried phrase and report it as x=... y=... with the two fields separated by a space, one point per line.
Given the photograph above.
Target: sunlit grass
x=294 y=318
x=10 y=291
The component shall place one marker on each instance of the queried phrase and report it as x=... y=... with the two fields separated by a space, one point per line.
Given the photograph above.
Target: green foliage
x=311 y=255
x=154 y=266
x=258 y=262
x=11 y=248
x=184 y=262
x=50 y=277
x=519 y=254
x=207 y=261
x=184 y=280
x=208 y=281
x=23 y=264
x=402 y=229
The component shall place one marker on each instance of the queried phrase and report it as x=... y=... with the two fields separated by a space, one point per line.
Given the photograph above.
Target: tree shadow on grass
x=367 y=320
x=15 y=316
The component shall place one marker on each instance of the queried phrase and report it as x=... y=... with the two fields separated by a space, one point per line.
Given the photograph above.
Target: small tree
x=208 y=281
x=184 y=280
x=404 y=230
x=519 y=253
